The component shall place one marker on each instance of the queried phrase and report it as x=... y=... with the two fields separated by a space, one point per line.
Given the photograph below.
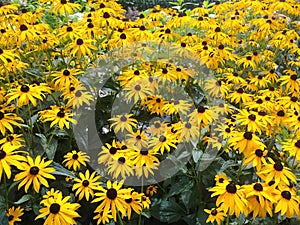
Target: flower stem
x=120 y=218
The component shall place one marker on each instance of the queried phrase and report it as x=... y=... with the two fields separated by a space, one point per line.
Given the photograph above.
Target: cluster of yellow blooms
x=252 y=49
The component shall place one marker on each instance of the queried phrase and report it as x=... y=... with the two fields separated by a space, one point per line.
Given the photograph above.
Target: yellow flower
x=14 y=215
x=215 y=215
x=10 y=155
x=75 y=159
x=112 y=199
x=34 y=172
x=231 y=197
x=123 y=122
x=86 y=185
x=25 y=94
x=58 y=115
x=7 y=120
x=81 y=47
x=64 y=7
x=276 y=171
x=59 y=211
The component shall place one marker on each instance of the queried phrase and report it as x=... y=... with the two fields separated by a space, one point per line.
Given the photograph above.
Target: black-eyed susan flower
x=75 y=159
x=14 y=214
x=287 y=203
x=221 y=178
x=134 y=203
x=203 y=115
x=86 y=185
x=12 y=140
x=215 y=215
x=58 y=116
x=34 y=172
x=239 y=96
x=136 y=139
x=250 y=120
x=151 y=190
x=146 y=202
x=24 y=94
x=245 y=142
x=276 y=171
x=261 y=191
x=64 y=78
x=256 y=158
x=112 y=199
x=64 y=7
x=10 y=155
x=231 y=197
x=123 y=122
x=81 y=47
x=137 y=90
x=292 y=146
x=163 y=143
x=7 y=120
x=59 y=210
x=120 y=166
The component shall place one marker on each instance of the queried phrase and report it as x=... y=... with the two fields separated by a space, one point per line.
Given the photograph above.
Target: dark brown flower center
x=162 y=138
x=24 y=88
x=121 y=160
x=259 y=153
x=286 y=194
x=278 y=166
x=66 y=73
x=10 y=218
x=54 y=208
x=280 y=113
x=123 y=36
x=123 y=118
x=111 y=193
x=79 y=41
x=201 y=109
x=75 y=156
x=137 y=87
x=2 y=154
x=297 y=144
x=214 y=212
x=188 y=125
x=61 y=114
x=23 y=27
x=85 y=183
x=34 y=170
x=248 y=135
x=294 y=77
x=252 y=117
x=113 y=150
x=231 y=188
x=258 y=187
x=144 y=151
x=240 y=90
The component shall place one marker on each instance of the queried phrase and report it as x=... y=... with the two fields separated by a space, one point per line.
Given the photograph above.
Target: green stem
x=227 y=219
x=6 y=192
x=120 y=218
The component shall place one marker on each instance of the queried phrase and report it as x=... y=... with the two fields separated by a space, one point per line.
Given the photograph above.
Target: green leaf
x=3 y=217
x=51 y=149
x=168 y=211
x=59 y=170
x=23 y=199
x=184 y=184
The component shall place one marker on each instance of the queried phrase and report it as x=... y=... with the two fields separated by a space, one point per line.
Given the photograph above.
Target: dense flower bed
x=247 y=60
